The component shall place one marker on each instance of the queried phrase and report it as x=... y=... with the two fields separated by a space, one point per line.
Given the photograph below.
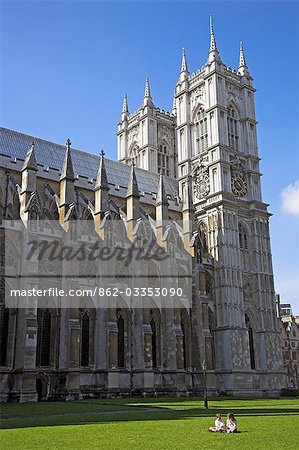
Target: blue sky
x=66 y=65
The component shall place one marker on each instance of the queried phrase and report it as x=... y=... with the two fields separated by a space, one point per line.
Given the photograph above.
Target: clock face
x=239 y=185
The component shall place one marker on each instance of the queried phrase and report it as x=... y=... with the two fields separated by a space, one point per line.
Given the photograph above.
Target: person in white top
x=231 y=423
x=219 y=425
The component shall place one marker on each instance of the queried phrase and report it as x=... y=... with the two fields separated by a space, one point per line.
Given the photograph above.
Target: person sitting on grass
x=219 y=425
x=231 y=423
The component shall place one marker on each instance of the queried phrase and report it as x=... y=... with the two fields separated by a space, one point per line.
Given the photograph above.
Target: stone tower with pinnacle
x=213 y=127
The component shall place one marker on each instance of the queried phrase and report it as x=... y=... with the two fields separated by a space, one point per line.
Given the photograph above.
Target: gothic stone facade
x=198 y=168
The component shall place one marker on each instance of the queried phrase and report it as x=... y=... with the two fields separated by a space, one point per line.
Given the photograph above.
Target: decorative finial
x=243 y=69
x=147 y=99
x=184 y=67
x=125 y=104
x=132 y=190
x=101 y=180
x=242 y=62
x=67 y=168
x=30 y=160
x=213 y=46
x=147 y=91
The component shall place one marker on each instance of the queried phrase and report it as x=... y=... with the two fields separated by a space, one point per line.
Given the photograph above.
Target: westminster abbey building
x=188 y=182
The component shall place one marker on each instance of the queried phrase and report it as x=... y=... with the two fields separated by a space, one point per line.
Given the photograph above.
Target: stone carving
x=238 y=178
x=201 y=180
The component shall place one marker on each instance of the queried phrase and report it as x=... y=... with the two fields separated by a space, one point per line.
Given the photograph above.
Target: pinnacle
x=101 y=181
x=161 y=194
x=67 y=168
x=30 y=160
x=184 y=67
x=125 y=104
x=133 y=190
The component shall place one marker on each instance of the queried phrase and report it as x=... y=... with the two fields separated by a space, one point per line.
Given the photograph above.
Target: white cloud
x=290 y=198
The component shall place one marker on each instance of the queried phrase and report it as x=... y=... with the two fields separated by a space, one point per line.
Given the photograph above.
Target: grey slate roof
x=51 y=155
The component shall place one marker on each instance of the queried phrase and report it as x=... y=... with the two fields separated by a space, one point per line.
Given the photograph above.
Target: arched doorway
x=39 y=389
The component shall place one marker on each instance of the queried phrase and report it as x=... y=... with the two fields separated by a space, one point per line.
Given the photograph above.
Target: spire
x=213 y=52
x=30 y=160
x=147 y=99
x=133 y=190
x=161 y=194
x=184 y=66
x=67 y=168
x=147 y=91
x=125 y=104
x=242 y=61
x=243 y=69
x=213 y=46
x=101 y=181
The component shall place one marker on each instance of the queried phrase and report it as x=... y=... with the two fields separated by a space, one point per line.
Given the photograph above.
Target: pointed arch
x=185 y=339
x=84 y=353
x=154 y=342
x=200 y=130
x=120 y=342
x=134 y=153
x=163 y=157
x=43 y=346
x=87 y=317
x=243 y=234
x=248 y=324
x=152 y=313
x=209 y=340
x=233 y=115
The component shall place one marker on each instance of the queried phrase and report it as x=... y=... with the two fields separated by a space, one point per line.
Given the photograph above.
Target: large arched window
x=201 y=132
x=4 y=319
x=135 y=155
x=154 y=342
x=163 y=160
x=209 y=341
x=84 y=359
x=121 y=342
x=184 y=345
x=155 y=325
x=232 y=128
x=183 y=338
x=43 y=338
x=251 y=343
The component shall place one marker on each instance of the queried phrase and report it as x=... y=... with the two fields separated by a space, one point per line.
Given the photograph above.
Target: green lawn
x=159 y=424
